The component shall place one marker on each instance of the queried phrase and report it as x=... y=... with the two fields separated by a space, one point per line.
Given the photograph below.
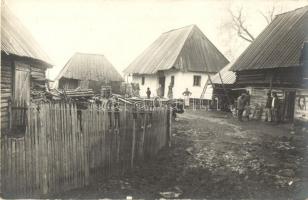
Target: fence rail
x=63 y=147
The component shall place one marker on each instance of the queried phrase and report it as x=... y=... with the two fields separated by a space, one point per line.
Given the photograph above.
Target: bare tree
x=239 y=22
x=240 y=27
x=269 y=15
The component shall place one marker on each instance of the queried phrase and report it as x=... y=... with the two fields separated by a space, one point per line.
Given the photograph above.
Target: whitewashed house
x=182 y=57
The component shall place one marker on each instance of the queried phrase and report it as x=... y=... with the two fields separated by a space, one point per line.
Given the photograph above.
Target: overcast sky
x=122 y=29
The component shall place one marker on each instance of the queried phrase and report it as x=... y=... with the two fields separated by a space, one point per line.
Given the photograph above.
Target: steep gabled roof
x=227 y=76
x=93 y=67
x=17 y=40
x=185 y=49
x=279 y=45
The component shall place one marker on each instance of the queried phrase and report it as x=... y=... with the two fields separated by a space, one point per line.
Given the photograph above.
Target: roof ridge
x=294 y=10
x=191 y=25
x=88 y=54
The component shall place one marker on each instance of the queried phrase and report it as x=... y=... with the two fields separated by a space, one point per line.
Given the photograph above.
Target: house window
x=172 y=80
x=142 y=80
x=197 y=80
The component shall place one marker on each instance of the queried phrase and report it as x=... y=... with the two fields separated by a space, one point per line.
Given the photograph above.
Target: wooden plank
x=133 y=143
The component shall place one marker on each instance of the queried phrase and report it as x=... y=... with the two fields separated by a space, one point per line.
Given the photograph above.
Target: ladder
x=209 y=80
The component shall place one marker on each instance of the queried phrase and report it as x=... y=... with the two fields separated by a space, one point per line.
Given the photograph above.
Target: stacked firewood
x=78 y=93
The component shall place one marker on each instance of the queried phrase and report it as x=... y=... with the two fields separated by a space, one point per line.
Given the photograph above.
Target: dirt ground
x=215 y=156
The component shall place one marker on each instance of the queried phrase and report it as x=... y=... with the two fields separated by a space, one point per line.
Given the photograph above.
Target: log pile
x=79 y=93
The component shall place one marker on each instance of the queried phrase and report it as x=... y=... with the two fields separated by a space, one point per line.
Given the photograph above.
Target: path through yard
x=215 y=156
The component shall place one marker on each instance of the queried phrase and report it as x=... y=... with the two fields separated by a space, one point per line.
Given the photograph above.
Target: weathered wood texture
x=258 y=97
x=9 y=77
x=6 y=91
x=64 y=147
x=288 y=76
x=301 y=106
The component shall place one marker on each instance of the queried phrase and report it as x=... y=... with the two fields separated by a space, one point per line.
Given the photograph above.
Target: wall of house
x=6 y=90
x=285 y=76
x=301 y=106
x=150 y=81
x=37 y=81
x=182 y=80
x=258 y=97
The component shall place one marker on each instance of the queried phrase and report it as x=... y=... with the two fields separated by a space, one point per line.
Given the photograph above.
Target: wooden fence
x=63 y=147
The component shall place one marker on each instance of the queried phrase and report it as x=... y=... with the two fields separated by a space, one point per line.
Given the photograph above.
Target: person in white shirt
x=275 y=107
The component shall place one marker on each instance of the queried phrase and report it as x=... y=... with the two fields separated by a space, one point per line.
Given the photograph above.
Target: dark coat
x=268 y=102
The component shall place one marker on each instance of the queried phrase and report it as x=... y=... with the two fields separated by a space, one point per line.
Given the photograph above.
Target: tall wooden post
x=169 y=126
x=133 y=143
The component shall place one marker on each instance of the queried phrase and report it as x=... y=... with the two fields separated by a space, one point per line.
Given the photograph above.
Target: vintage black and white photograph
x=154 y=99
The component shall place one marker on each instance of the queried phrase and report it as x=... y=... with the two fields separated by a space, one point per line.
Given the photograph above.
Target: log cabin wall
x=37 y=81
x=258 y=97
x=96 y=86
x=281 y=80
x=65 y=83
x=6 y=90
x=280 y=77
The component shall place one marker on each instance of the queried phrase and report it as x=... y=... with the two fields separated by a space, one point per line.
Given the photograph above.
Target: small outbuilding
x=23 y=69
x=274 y=62
x=89 y=71
x=221 y=89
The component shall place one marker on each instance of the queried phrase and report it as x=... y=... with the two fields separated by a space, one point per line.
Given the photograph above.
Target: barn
x=89 y=71
x=274 y=62
x=23 y=67
x=178 y=59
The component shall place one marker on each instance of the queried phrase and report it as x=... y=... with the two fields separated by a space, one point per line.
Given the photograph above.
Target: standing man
x=148 y=93
x=116 y=112
x=268 y=107
x=186 y=95
x=159 y=91
x=275 y=108
x=241 y=103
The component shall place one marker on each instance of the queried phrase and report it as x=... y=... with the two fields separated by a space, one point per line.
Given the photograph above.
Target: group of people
x=272 y=107
x=271 y=111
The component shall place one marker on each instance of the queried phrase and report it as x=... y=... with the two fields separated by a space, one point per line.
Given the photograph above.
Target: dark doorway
x=161 y=82
x=288 y=106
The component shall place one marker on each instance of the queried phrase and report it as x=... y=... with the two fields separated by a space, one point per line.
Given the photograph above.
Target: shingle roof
x=227 y=76
x=279 y=45
x=17 y=40
x=185 y=49
x=93 y=67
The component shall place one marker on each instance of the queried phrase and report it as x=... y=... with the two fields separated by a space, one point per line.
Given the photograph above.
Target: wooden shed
x=89 y=71
x=273 y=62
x=23 y=67
x=222 y=88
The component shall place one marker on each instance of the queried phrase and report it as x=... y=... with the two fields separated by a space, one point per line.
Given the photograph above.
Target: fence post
x=169 y=117
x=133 y=143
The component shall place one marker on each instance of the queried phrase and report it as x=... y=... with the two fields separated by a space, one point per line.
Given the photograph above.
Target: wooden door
x=288 y=106
x=21 y=94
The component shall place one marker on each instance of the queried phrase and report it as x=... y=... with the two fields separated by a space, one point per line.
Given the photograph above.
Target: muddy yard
x=215 y=156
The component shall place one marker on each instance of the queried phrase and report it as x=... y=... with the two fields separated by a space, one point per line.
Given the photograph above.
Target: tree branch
x=239 y=26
